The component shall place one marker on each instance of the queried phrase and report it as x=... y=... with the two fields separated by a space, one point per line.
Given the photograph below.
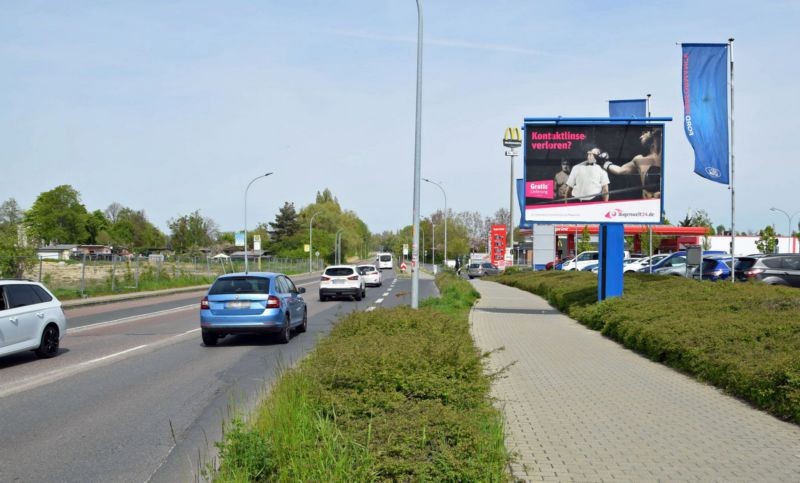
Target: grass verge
x=389 y=395
x=743 y=338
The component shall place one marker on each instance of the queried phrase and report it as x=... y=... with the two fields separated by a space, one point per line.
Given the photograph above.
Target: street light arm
x=245 y=216
x=439 y=185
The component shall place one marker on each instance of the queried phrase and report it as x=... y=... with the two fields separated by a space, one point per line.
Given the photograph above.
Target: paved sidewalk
x=580 y=407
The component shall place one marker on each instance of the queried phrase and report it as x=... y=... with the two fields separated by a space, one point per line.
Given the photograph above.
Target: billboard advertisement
x=593 y=173
x=497 y=239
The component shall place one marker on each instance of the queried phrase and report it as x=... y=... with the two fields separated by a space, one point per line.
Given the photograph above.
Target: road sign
x=306 y=248
x=403 y=266
x=256 y=242
x=405 y=249
x=239 y=239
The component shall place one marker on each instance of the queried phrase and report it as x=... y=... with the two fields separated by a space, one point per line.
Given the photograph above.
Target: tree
x=15 y=257
x=192 y=231
x=584 y=244
x=286 y=224
x=96 y=223
x=58 y=216
x=721 y=230
x=134 y=231
x=10 y=214
x=113 y=211
x=767 y=240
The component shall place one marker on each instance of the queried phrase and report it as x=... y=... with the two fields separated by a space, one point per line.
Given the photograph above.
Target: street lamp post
x=788 y=217
x=246 y=256
x=512 y=140
x=338 y=247
x=433 y=244
x=417 y=166
x=310 y=238
x=445 y=216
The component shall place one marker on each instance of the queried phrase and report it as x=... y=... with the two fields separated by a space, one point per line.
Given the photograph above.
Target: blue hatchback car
x=715 y=267
x=252 y=303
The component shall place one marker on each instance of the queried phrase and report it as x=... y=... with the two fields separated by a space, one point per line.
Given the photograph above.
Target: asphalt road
x=134 y=395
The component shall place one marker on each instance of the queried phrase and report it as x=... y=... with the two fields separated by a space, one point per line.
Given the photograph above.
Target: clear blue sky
x=174 y=106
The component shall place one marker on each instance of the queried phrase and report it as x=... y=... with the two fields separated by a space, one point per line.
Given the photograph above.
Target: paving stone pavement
x=580 y=407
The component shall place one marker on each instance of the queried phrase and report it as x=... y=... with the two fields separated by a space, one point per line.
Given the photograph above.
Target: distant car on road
x=31 y=318
x=341 y=281
x=371 y=275
x=773 y=269
x=481 y=269
x=384 y=261
x=252 y=303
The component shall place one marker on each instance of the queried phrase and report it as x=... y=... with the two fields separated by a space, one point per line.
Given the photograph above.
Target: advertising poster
x=593 y=173
x=497 y=239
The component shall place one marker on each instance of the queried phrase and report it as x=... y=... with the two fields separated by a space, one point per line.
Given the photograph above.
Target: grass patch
x=743 y=338
x=389 y=395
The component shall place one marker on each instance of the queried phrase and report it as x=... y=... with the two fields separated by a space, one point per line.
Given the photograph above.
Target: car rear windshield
x=745 y=263
x=339 y=272
x=386 y=258
x=488 y=265
x=240 y=285
x=367 y=269
x=474 y=265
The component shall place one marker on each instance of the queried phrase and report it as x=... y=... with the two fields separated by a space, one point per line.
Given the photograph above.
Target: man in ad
x=588 y=181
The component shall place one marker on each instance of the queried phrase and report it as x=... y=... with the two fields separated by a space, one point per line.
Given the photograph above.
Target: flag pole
x=732 y=186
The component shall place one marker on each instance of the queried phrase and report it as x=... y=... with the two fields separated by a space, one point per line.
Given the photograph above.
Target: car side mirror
x=301 y=290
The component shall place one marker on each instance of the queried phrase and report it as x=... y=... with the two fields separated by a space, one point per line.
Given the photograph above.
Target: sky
x=174 y=106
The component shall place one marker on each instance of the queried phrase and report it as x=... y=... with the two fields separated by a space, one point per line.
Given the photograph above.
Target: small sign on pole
x=405 y=249
x=306 y=248
x=403 y=266
x=256 y=242
x=239 y=238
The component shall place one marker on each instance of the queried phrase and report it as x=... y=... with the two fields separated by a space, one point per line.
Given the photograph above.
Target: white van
x=384 y=261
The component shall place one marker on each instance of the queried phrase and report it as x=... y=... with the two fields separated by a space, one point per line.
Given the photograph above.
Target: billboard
x=593 y=173
x=497 y=239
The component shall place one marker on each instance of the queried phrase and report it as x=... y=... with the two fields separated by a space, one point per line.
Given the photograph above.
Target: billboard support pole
x=650 y=227
x=733 y=190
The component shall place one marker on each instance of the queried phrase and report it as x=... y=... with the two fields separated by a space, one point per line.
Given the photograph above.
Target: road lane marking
x=132 y=318
x=111 y=356
x=379 y=301
x=386 y=294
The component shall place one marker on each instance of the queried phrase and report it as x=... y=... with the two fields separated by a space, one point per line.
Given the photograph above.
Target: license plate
x=338 y=282
x=237 y=305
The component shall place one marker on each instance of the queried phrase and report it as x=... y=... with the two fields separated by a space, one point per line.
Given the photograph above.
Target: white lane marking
x=379 y=301
x=370 y=309
x=386 y=294
x=111 y=356
x=131 y=318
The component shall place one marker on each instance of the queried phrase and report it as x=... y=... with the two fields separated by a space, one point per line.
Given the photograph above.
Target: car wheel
x=364 y=293
x=210 y=338
x=49 y=344
x=304 y=325
x=322 y=298
x=286 y=331
x=357 y=296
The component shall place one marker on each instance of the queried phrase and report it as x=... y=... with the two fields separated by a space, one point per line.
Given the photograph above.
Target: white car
x=371 y=275
x=635 y=265
x=384 y=261
x=30 y=319
x=580 y=262
x=341 y=281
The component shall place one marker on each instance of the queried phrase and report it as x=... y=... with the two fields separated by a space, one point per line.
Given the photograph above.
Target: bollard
x=113 y=272
x=83 y=275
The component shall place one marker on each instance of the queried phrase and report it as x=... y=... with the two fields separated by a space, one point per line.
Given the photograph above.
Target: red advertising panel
x=497 y=238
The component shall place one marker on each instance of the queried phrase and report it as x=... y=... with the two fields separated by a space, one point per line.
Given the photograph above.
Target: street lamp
x=245 y=216
x=445 y=216
x=512 y=139
x=310 y=237
x=433 y=244
x=790 y=218
x=417 y=168
x=338 y=247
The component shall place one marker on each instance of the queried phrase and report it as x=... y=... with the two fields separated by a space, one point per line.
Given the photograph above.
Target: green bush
x=389 y=395
x=743 y=338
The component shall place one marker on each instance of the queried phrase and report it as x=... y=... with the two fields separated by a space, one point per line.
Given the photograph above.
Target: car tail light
x=753 y=272
x=716 y=273
x=325 y=279
x=352 y=277
x=273 y=302
x=204 y=304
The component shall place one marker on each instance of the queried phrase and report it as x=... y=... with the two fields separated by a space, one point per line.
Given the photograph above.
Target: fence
x=91 y=276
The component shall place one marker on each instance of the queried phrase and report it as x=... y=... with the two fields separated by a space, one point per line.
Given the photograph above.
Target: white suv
x=583 y=259
x=30 y=319
x=341 y=281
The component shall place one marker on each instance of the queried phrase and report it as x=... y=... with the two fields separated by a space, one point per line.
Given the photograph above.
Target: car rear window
x=366 y=269
x=774 y=262
x=21 y=295
x=745 y=263
x=42 y=293
x=386 y=258
x=488 y=265
x=791 y=263
x=474 y=265
x=240 y=285
x=339 y=272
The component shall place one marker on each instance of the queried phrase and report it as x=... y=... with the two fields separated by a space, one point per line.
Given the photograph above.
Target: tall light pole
x=246 y=256
x=310 y=238
x=417 y=167
x=788 y=217
x=338 y=247
x=433 y=244
x=445 y=216
x=512 y=139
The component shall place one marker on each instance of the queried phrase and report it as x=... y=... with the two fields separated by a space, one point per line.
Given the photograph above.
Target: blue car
x=676 y=259
x=715 y=267
x=252 y=303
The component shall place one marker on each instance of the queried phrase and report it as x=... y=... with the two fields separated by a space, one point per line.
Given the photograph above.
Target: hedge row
x=389 y=395
x=743 y=338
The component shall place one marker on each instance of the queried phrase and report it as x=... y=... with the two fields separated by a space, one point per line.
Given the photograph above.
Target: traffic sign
x=403 y=266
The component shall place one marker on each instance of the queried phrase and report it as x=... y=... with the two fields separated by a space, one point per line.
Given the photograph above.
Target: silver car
x=30 y=319
x=674 y=266
x=481 y=269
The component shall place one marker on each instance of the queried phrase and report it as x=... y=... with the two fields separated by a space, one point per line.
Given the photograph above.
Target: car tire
x=304 y=324
x=210 y=339
x=322 y=298
x=286 y=331
x=357 y=296
x=48 y=347
x=364 y=293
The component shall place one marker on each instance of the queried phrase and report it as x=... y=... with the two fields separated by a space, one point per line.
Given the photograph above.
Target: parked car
x=669 y=261
x=371 y=275
x=635 y=265
x=774 y=269
x=481 y=269
x=580 y=261
x=252 y=303
x=341 y=281
x=714 y=267
x=672 y=266
x=594 y=267
x=31 y=318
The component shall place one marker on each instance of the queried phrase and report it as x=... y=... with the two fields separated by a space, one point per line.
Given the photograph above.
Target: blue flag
x=628 y=108
x=705 y=108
